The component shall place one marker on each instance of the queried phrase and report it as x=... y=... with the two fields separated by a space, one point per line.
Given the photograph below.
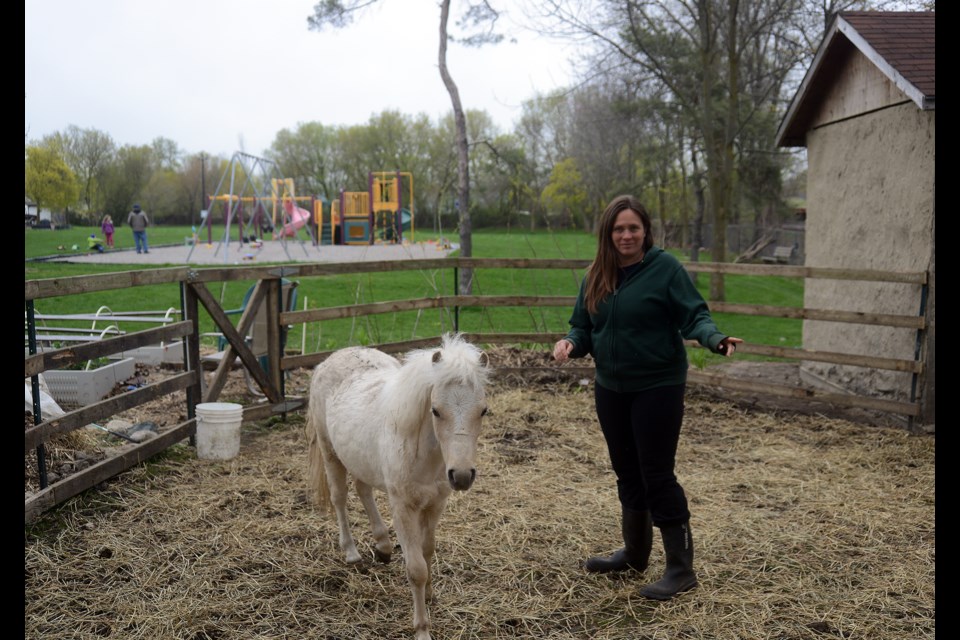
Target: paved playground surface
x=271 y=251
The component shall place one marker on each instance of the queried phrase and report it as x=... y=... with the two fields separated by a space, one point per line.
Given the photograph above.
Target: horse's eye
x=484 y=412
x=435 y=412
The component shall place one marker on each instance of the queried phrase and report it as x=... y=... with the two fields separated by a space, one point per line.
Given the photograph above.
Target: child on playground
x=94 y=244
x=106 y=226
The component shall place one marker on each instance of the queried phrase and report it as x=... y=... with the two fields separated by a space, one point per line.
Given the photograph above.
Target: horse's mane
x=409 y=389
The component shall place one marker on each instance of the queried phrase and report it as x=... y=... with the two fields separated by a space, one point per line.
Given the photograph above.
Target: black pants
x=642 y=430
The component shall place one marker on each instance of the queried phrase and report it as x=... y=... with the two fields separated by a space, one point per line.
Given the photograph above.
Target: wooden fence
x=194 y=293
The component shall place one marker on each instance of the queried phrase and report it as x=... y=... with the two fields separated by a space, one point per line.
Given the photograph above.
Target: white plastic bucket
x=218 y=430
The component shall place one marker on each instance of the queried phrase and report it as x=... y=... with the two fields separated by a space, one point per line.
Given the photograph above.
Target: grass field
x=329 y=291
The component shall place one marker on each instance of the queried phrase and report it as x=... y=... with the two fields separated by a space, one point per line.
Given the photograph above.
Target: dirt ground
x=806 y=527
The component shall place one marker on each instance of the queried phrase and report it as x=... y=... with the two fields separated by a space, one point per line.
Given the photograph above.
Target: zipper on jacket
x=613 y=352
x=613 y=321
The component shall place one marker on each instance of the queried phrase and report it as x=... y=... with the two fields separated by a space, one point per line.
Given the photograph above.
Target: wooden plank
x=356 y=310
x=863 y=402
x=51 y=338
x=53 y=287
x=274 y=303
x=359 y=310
x=191 y=314
x=892 y=364
x=36 y=289
x=60 y=358
x=72 y=420
x=826 y=315
x=510 y=301
x=110 y=330
x=232 y=274
x=521 y=263
x=313 y=359
x=514 y=338
x=75 y=484
x=263 y=411
x=87 y=317
x=787 y=271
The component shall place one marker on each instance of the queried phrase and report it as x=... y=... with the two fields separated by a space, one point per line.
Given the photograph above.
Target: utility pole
x=203 y=195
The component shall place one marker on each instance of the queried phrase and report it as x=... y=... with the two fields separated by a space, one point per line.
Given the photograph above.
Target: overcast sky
x=226 y=75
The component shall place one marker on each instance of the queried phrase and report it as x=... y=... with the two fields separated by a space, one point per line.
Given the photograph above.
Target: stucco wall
x=870 y=205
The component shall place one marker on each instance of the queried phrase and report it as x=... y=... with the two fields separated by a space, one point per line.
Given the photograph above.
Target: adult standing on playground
x=106 y=226
x=139 y=222
x=635 y=307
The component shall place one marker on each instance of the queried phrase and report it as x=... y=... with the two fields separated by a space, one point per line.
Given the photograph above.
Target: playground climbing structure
x=382 y=213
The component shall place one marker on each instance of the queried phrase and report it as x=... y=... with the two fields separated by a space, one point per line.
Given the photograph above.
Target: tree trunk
x=697 y=224
x=684 y=200
x=463 y=151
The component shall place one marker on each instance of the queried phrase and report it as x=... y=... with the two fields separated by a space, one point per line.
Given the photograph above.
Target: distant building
x=33 y=215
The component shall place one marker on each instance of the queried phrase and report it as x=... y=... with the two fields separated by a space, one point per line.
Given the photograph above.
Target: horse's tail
x=317 y=488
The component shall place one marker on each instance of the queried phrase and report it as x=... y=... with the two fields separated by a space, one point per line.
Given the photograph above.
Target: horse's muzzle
x=461 y=480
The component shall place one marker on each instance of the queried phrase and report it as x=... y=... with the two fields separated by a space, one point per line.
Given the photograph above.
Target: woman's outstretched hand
x=726 y=347
x=561 y=350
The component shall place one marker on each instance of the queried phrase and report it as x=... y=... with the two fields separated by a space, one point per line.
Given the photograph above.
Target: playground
x=255 y=216
x=253 y=203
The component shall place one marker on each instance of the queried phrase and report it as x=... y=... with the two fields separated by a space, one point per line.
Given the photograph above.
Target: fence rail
x=195 y=296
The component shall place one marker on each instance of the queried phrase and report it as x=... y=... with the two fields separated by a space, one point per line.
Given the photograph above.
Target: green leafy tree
x=88 y=153
x=566 y=193
x=308 y=155
x=48 y=180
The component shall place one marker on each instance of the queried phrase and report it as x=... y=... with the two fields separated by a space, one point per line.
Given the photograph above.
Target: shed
x=865 y=113
x=30 y=211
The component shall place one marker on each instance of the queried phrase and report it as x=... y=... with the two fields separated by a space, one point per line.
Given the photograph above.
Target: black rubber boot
x=637 y=531
x=679 y=575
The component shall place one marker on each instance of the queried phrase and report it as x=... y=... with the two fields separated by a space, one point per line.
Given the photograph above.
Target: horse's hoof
x=383 y=558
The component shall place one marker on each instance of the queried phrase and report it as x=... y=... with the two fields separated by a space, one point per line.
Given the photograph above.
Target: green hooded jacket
x=636 y=336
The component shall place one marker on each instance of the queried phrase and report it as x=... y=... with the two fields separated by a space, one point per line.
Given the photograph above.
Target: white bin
x=218 y=430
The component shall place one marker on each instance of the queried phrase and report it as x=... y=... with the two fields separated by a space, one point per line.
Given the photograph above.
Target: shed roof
x=902 y=45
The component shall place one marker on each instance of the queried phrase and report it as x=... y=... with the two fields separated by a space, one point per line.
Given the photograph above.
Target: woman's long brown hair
x=602 y=274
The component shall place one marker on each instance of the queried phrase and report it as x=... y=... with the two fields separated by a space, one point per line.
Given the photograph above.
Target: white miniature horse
x=407 y=429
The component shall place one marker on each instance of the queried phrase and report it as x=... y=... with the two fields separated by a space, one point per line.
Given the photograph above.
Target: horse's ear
x=484 y=359
x=436 y=356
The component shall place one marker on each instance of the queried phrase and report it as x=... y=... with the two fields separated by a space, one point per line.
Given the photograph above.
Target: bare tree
x=480 y=17
x=694 y=50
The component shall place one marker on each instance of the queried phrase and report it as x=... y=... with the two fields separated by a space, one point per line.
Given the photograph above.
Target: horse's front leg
x=381 y=536
x=407 y=522
x=337 y=481
x=430 y=518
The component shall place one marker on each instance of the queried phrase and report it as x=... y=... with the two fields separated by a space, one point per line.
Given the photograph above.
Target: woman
x=636 y=306
x=106 y=226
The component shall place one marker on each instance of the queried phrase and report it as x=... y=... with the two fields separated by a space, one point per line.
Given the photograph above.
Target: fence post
x=35 y=391
x=456 y=307
x=189 y=308
x=918 y=355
